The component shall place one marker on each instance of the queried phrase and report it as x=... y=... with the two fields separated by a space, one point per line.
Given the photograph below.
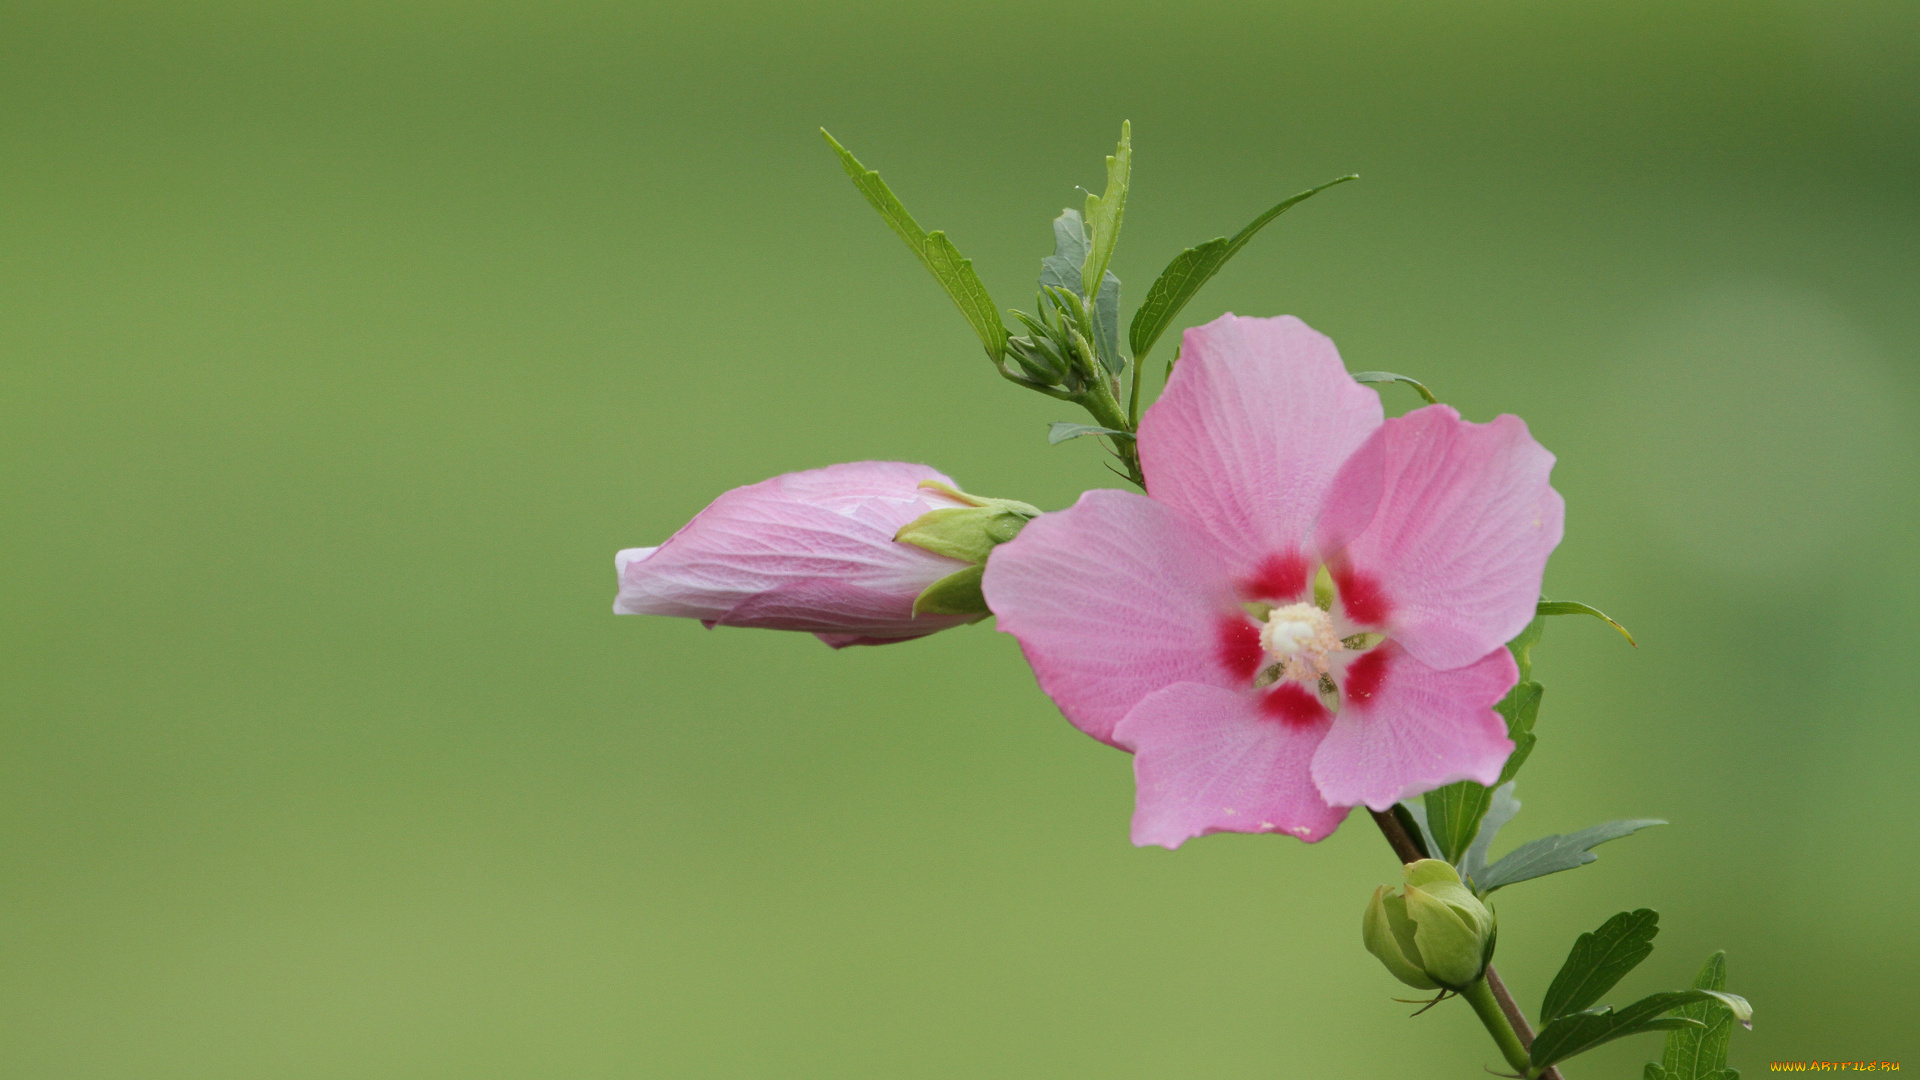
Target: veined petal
x=1405 y=728
x=1452 y=559
x=1112 y=599
x=810 y=551
x=1256 y=420
x=1209 y=760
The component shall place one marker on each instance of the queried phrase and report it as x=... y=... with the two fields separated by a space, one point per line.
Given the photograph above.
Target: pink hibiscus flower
x=1184 y=625
x=810 y=551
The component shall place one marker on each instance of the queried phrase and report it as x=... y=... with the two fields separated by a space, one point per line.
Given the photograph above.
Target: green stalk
x=1480 y=996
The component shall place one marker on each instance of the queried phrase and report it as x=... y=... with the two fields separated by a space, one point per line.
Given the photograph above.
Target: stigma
x=1300 y=641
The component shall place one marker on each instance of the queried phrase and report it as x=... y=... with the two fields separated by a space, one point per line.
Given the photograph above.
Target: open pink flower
x=1184 y=626
x=809 y=551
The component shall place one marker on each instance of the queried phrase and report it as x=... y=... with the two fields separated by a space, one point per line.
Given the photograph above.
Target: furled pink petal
x=1256 y=420
x=1210 y=760
x=1452 y=560
x=1405 y=728
x=810 y=551
x=1113 y=599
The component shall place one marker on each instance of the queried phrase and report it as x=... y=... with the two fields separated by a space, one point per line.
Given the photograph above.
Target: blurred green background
x=341 y=344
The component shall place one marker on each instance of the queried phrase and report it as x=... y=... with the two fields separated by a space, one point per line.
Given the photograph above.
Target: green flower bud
x=1434 y=933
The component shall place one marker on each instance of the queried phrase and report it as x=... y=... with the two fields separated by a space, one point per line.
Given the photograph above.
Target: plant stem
x=1494 y=1018
x=1408 y=851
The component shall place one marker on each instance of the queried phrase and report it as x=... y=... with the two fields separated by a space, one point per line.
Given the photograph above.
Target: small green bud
x=1434 y=932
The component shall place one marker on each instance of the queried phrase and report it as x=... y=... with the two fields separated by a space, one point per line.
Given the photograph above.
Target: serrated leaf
x=1389 y=377
x=1599 y=960
x=956 y=594
x=1702 y=1054
x=1552 y=854
x=1579 y=1032
x=1196 y=266
x=1453 y=816
x=954 y=273
x=1520 y=708
x=1104 y=213
x=1571 y=607
x=1060 y=431
x=1500 y=810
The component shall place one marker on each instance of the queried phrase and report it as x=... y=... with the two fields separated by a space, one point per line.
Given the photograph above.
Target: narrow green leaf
x=1552 y=854
x=1520 y=708
x=1569 y=607
x=1599 y=960
x=1060 y=431
x=1106 y=324
x=1701 y=1054
x=954 y=273
x=1500 y=810
x=1193 y=268
x=1104 y=213
x=1453 y=816
x=956 y=594
x=1390 y=377
x=1566 y=1036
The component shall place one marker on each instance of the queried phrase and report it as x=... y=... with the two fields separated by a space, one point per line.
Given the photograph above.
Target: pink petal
x=1258 y=417
x=1405 y=728
x=1452 y=561
x=1209 y=760
x=1113 y=599
x=809 y=551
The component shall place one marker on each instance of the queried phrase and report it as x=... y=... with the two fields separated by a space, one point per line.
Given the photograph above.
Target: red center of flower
x=1360 y=596
x=1293 y=705
x=1239 y=647
x=1278 y=577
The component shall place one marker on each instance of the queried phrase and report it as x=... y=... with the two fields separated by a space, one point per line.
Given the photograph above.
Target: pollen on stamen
x=1302 y=639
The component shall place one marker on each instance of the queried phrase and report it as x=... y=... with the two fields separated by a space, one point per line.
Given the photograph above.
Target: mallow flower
x=816 y=551
x=1308 y=608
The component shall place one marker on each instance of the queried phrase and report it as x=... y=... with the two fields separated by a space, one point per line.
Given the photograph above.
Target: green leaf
x=1390 y=377
x=1520 y=708
x=1552 y=854
x=1500 y=809
x=1104 y=213
x=935 y=252
x=1566 y=1036
x=1062 y=268
x=1522 y=646
x=1702 y=1054
x=1416 y=826
x=1416 y=812
x=1599 y=960
x=956 y=594
x=1193 y=268
x=1106 y=324
x=1453 y=816
x=1060 y=431
x=1569 y=607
